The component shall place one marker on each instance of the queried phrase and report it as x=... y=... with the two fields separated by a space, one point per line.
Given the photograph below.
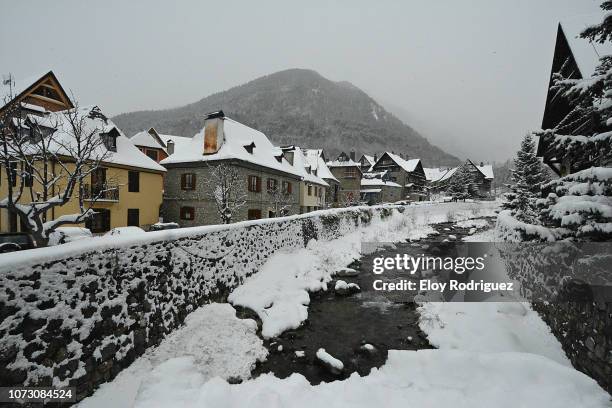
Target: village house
x=560 y=113
x=407 y=173
x=377 y=188
x=316 y=159
x=262 y=168
x=366 y=162
x=125 y=191
x=348 y=172
x=313 y=188
x=156 y=145
x=482 y=177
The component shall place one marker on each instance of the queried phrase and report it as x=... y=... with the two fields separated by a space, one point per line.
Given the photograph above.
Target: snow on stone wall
x=77 y=314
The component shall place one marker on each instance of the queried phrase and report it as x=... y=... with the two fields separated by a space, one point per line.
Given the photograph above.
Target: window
x=152 y=154
x=187 y=213
x=254 y=184
x=28 y=175
x=100 y=221
x=350 y=172
x=14 y=174
x=188 y=181
x=109 y=140
x=287 y=188
x=254 y=214
x=309 y=190
x=98 y=183
x=133 y=182
x=272 y=184
x=133 y=217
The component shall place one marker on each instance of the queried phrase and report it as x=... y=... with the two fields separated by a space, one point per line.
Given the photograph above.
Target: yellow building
x=126 y=190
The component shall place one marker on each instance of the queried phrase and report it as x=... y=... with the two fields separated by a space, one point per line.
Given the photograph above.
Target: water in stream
x=343 y=324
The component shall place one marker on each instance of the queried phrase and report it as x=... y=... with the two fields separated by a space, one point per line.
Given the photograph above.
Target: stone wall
x=570 y=286
x=77 y=315
x=205 y=209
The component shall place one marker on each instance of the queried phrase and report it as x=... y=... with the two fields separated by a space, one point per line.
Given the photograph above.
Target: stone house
x=262 y=169
x=313 y=189
x=348 y=172
x=367 y=161
x=407 y=173
x=316 y=159
x=377 y=188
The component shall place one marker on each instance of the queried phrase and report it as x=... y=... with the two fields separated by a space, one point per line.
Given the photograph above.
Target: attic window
x=279 y=158
x=110 y=139
x=249 y=148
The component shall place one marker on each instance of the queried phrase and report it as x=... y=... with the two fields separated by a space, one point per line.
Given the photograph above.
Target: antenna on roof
x=10 y=81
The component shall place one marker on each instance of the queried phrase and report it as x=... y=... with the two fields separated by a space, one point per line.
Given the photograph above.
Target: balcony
x=101 y=192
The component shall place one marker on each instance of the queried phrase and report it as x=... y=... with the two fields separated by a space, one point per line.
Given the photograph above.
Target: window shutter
x=289 y=188
x=193 y=181
x=258 y=184
x=183 y=176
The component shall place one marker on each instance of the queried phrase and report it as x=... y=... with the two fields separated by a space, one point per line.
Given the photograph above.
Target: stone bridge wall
x=76 y=315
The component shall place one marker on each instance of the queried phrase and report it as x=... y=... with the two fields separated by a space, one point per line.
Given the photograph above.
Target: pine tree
x=528 y=177
x=458 y=184
x=580 y=204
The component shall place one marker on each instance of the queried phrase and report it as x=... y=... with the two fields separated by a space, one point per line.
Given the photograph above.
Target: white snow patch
x=330 y=360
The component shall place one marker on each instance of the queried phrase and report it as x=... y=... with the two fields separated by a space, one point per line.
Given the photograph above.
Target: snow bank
x=429 y=378
x=207 y=346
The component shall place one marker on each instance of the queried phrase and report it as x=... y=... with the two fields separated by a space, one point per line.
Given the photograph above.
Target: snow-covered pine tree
x=458 y=184
x=580 y=204
x=528 y=176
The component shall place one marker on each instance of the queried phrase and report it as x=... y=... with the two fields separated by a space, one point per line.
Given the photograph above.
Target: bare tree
x=46 y=158
x=280 y=199
x=225 y=187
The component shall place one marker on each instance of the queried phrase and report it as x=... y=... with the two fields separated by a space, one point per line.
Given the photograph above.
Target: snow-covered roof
x=316 y=162
x=434 y=174
x=236 y=137
x=371 y=190
x=448 y=174
x=300 y=163
x=378 y=182
x=146 y=139
x=343 y=163
x=408 y=165
x=127 y=154
x=369 y=159
x=15 y=86
x=486 y=170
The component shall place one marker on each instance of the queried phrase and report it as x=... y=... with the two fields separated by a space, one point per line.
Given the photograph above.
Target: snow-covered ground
x=426 y=378
x=489 y=354
x=212 y=343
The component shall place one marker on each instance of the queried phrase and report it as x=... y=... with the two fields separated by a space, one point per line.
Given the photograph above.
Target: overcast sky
x=470 y=75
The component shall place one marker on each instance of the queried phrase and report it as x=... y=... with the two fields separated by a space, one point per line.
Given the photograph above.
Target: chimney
x=352 y=155
x=170 y=147
x=213 y=132
x=375 y=157
x=481 y=164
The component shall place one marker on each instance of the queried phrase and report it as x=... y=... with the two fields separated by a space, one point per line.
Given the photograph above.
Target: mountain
x=299 y=106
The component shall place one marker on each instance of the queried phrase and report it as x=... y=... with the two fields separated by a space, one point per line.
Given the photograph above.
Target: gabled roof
x=236 y=137
x=343 y=163
x=408 y=165
x=449 y=173
x=63 y=139
x=434 y=174
x=369 y=159
x=17 y=89
x=146 y=139
x=314 y=157
x=486 y=170
x=301 y=164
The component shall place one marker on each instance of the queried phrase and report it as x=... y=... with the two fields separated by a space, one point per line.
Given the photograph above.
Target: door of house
x=99 y=222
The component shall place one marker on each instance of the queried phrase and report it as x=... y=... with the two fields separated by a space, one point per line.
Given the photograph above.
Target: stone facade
x=350 y=182
x=413 y=183
x=205 y=210
x=78 y=316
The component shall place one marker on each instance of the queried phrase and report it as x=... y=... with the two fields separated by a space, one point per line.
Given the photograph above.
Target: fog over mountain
x=299 y=106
